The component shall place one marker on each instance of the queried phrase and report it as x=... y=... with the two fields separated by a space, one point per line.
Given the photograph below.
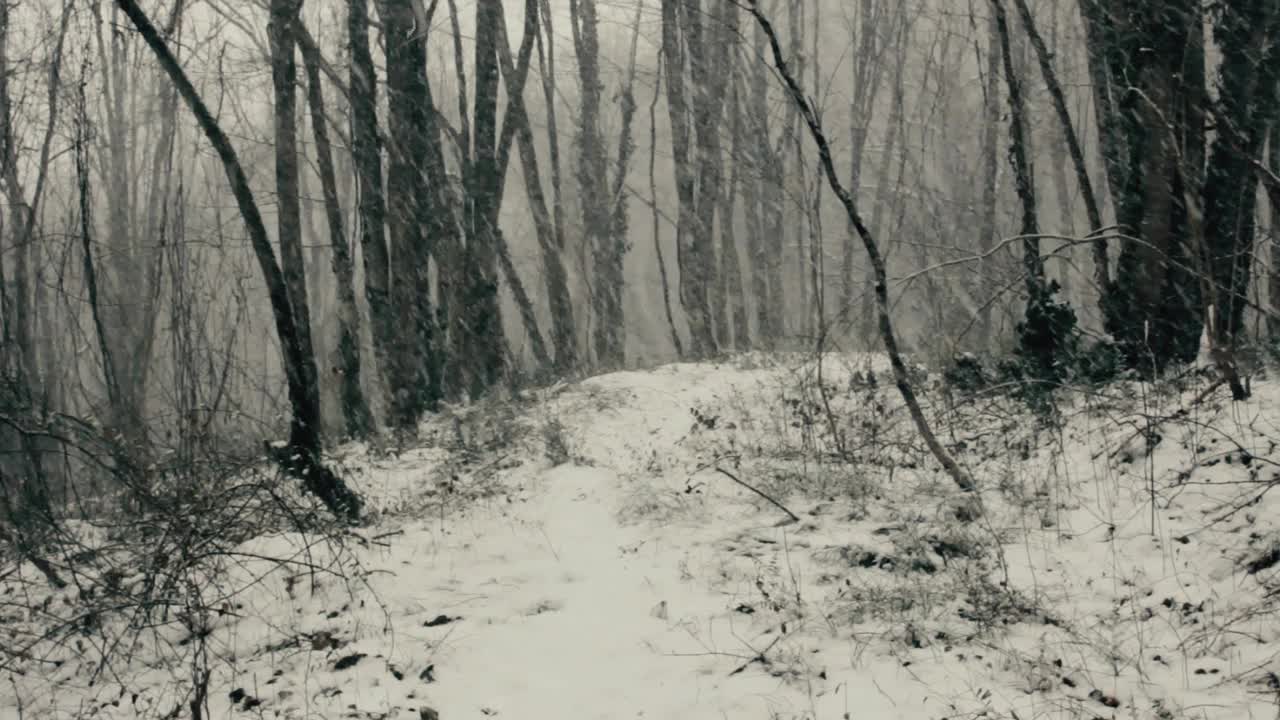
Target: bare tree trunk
x=1272 y=185
x=1248 y=105
x=730 y=264
x=289 y=217
x=1101 y=265
x=302 y=457
x=657 y=220
x=1024 y=183
x=867 y=76
x=547 y=70
x=30 y=368
x=414 y=373
x=957 y=474
x=990 y=170
x=367 y=156
x=593 y=185
x=765 y=243
x=130 y=271
x=800 y=314
x=523 y=305
x=355 y=409
x=682 y=49
x=516 y=126
x=481 y=324
x=883 y=203
x=615 y=244
x=1146 y=62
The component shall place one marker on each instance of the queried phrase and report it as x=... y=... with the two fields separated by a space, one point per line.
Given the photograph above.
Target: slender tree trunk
x=1024 y=183
x=516 y=127
x=302 y=457
x=730 y=264
x=355 y=410
x=367 y=157
x=523 y=305
x=883 y=198
x=1101 y=266
x=766 y=245
x=289 y=217
x=990 y=172
x=1272 y=185
x=801 y=226
x=867 y=75
x=593 y=187
x=657 y=219
x=547 y=70
x=887 y=334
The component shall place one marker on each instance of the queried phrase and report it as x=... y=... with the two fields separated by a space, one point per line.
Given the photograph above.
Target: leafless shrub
x=145 y=583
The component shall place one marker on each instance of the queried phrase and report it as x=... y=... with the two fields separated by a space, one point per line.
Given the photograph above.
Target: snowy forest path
x=569 y=612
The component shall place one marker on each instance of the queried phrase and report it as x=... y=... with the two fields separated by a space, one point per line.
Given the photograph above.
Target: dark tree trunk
x=414 y=372
x=1146 y=60
x=958 y=475
x=1024 y=183
x=694 y=248
x=1101 y=265
x=367 y=156
x=765 y=242
x=302 y=457
x=676 y=344
x=990 y=167
x=700 y=45
x=481 y=322
x=516 y=125
x=614 y=245
x=868 y=73
x=1248 y=82
x=593 y=187
x=1272 y=183
x=289 y=216
x=355 y=410
x=730 y=263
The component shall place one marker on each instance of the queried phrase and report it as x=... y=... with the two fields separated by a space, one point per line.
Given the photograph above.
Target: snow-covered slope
x=640 y=579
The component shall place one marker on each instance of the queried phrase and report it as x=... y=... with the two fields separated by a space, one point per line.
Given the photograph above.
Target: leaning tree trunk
x=1102 y=271
x=302 y=457
x=516 y=124
x=887 y=334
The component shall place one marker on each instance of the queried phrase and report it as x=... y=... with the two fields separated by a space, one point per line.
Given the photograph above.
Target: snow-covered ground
x=634 y=579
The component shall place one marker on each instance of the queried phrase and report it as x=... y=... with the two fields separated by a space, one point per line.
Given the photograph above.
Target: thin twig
x=780 y=506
